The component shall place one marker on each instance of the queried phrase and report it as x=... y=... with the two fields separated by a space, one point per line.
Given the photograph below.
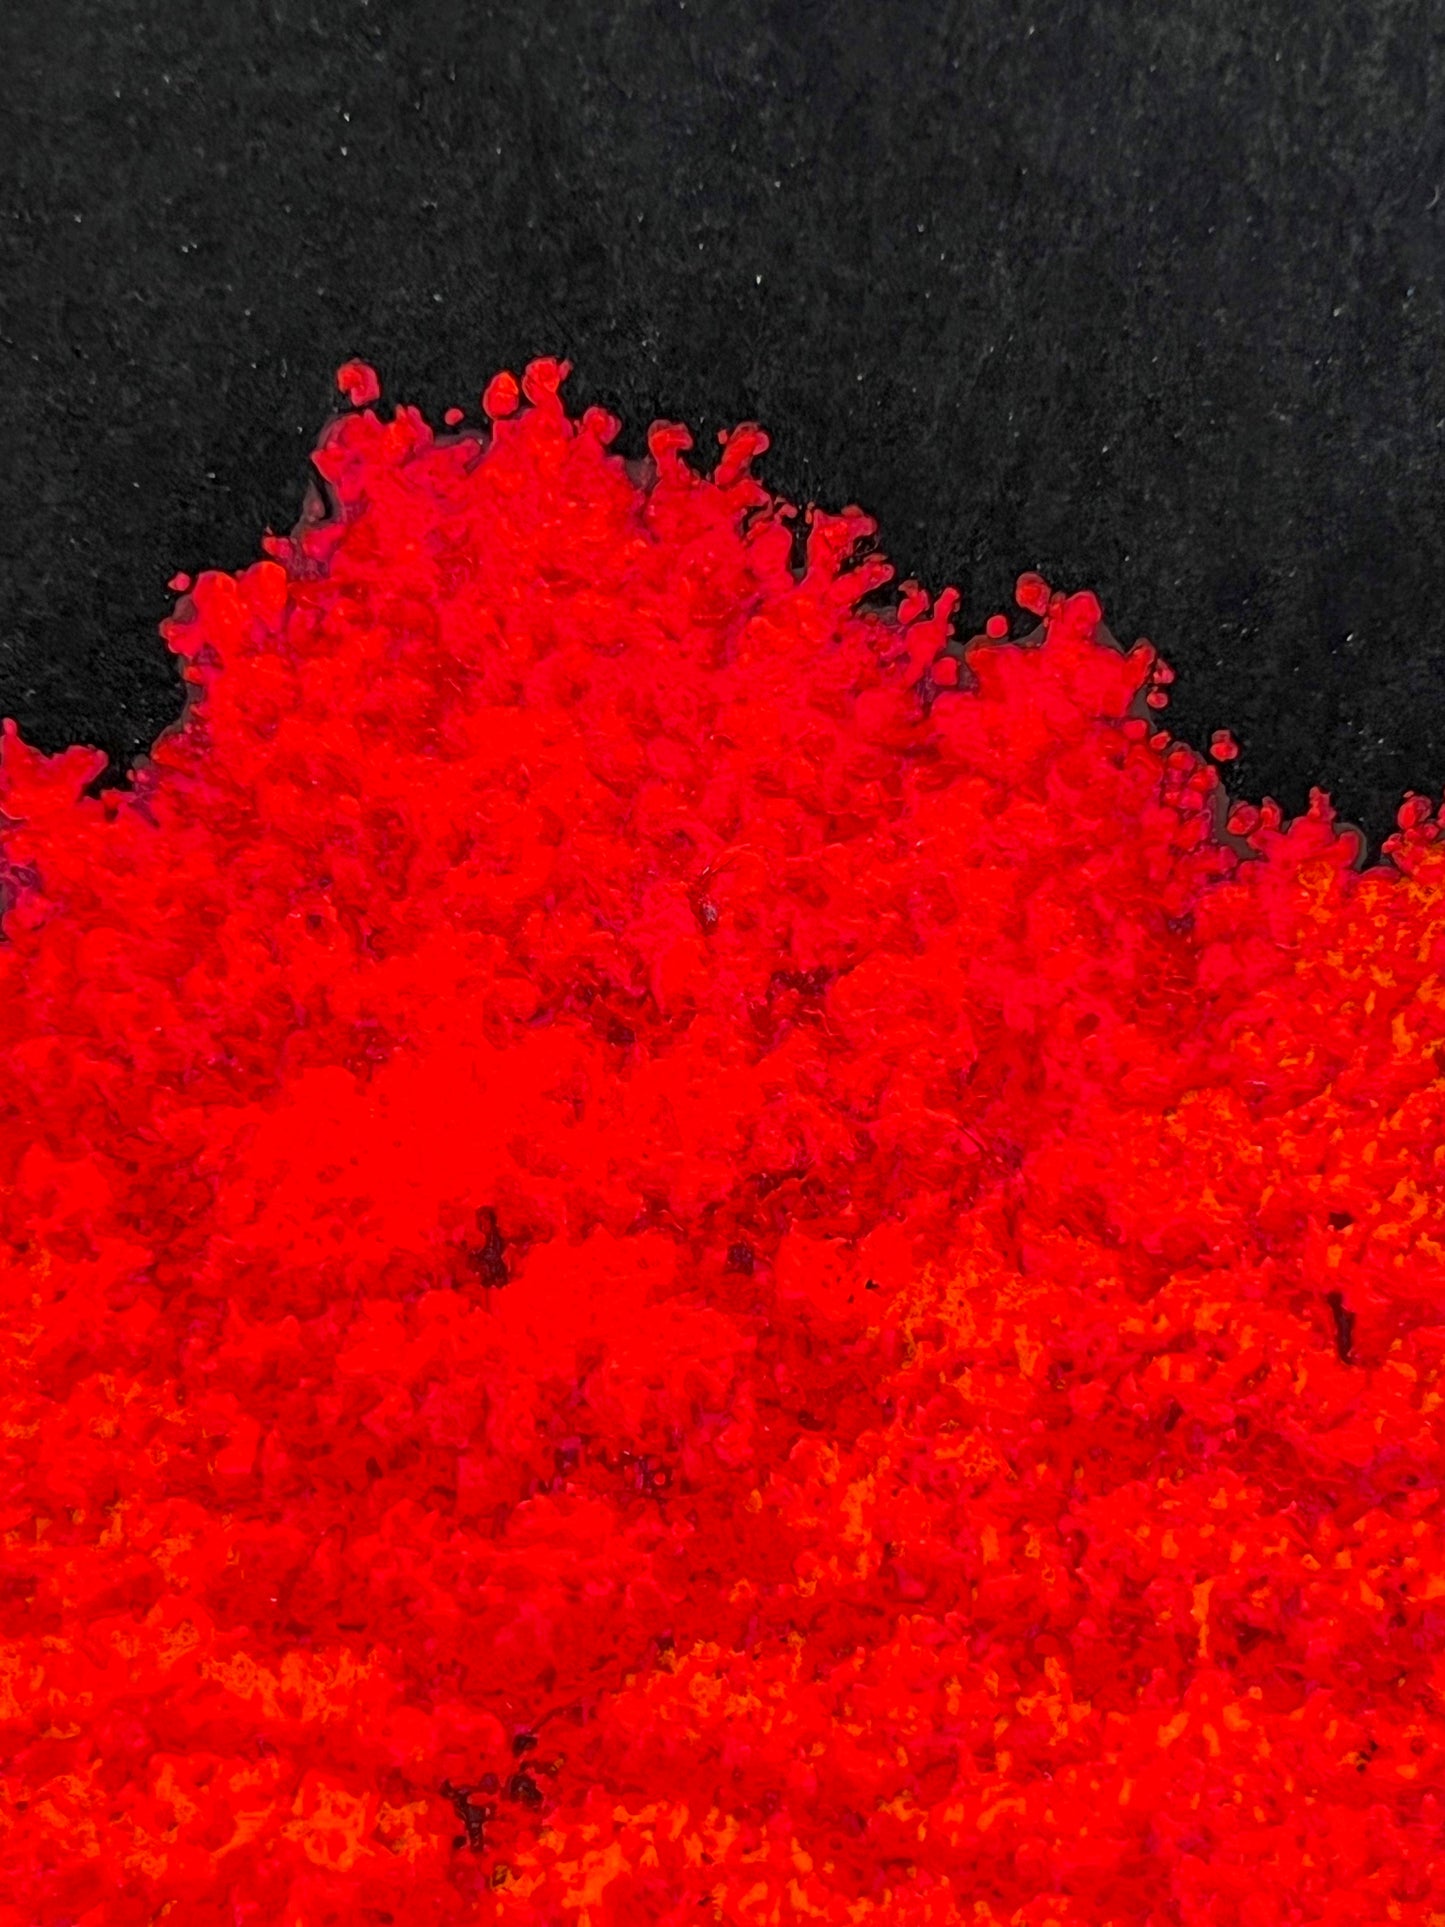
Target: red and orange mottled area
x=673 y=1249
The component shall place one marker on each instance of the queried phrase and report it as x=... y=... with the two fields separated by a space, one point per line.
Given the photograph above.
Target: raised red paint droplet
x=602 y=425
x=542 y=380
x=358 y=381
x=996 y=627
x=1031 y=592
x=501 y=397
x=1414 y=811
x=1222 y=746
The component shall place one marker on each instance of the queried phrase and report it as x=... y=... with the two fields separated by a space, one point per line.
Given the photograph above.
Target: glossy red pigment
x=663 y=1262
x=357 y=381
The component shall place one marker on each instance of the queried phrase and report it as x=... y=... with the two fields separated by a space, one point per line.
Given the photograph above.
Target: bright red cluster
x=667 y=1240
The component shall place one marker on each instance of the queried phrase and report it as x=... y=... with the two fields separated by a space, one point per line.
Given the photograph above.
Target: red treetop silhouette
x=666 y=1237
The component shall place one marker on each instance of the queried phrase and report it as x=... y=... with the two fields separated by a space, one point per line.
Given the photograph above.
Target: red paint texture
x=600 y=1148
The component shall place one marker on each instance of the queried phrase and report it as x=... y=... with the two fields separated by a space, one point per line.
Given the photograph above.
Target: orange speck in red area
x=1222 y=746
x=357 y=380
x=647 y=1274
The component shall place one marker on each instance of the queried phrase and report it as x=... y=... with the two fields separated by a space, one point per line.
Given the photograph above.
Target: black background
x=1148 y=299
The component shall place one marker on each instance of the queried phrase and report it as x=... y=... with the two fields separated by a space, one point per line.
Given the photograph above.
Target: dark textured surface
x=1154 y=304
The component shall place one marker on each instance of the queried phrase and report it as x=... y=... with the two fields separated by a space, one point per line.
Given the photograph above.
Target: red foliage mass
x=664 y=1239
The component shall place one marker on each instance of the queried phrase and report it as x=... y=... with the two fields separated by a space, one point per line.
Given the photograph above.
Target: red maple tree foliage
x=674 y=1248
